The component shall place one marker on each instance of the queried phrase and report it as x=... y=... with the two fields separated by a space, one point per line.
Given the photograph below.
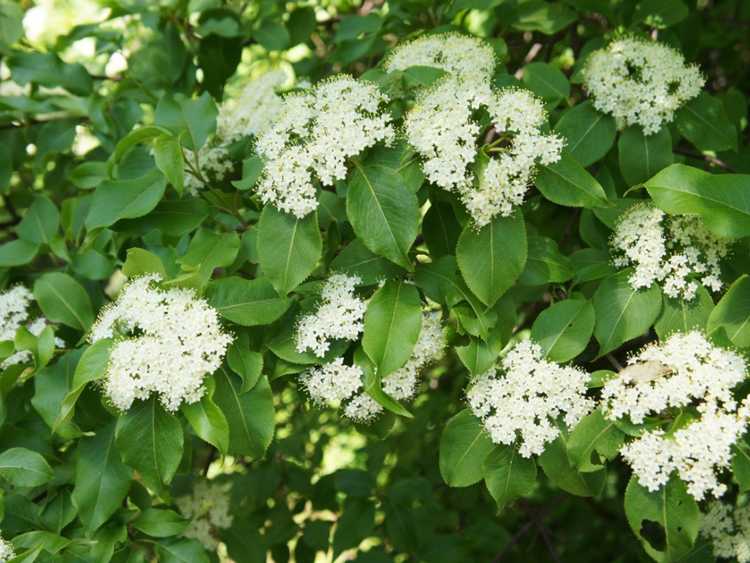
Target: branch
x=707 y=157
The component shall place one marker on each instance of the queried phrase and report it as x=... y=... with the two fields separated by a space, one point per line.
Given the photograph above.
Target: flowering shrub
x=374 y=281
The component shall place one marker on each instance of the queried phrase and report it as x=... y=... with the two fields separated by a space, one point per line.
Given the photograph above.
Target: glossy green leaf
x=641 y=156
x=566 y=182
x=589 y=134
x=63 y=300
x=464 y=447
x=564 y=329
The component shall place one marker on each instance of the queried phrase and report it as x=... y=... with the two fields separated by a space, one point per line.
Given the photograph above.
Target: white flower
x=14 y=304
x=315 y=134
x=640 y=82
x=728 y=529
x=684 y=370
x=525 y=401
x=6 y=551
x=402 y=383
x=461 y=55
x=676 y=251
x=339 y=316
x=210 y=164
x=166 y=342
x=697 y=452
x=207 y=509
x=443 y=129
x=333 y=382
x=253 y=110
x=362 y=408
x=14 y=312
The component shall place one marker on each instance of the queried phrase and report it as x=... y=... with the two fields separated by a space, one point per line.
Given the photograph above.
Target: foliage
x=131 y=147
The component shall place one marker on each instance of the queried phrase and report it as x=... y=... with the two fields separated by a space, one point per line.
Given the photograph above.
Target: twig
x=707 y=157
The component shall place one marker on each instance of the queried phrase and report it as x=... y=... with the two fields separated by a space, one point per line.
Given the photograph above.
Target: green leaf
x=246 y=363
x=252 y=168
x=661 y=14
x=560 y=469
x=168 y=159
x=139 y=262
x=440 y=229
x=392 y=324
x=207 y=420
x=374 y=388
x=593 y=440
x=508 y=475
x=91 y=366
x=40 y=223
x=46 y=69
x=641 y=156
x=732 y=313
x=492 y=258
x=160 y=523
x=207 y=251
x=17 y=253
x=51 y=384
x=464 y=447
x=182 y=551
x=172 y=218
x=382 y=212
x=63 y=300
x=102 y=481
x=720 y=199
x=11 y=23
x=741 y=465
x=545 y=263
x=288 y=248
x=568 y=183
x=704 y=122
x=356 y=523
x=671 y=508
x=564 y=329
x=589 y=134
x=623 y=313
x=150 y=441
x=546 y=81
x=125 y=199
x=356 y=260
x=24 y=468
x=680 y=315
x=246 y=302
x=192 y=120
x=250 y=415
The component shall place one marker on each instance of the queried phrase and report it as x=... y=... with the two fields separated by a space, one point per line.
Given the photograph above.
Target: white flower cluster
x=14 y=312
x=166 y=342
x=461 y=55
x=443 y=130
x=527 y=400
x=247 y=115
x=697 y=452
x=253 y=110
x=207 y=509
x=335 y=383
x=314 y=135
x=685 y=371
x=640 y=82
x=6 y=551
x=676 y=251
x=339 y=316
x=211 y=163
x=728 y=529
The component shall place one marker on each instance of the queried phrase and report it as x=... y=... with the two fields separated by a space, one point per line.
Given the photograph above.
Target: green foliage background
x=83 y=197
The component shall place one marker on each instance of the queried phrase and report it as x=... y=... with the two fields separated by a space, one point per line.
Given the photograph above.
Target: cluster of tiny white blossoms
x=253 y=110
x=338 y=316
x=728 y=529
x=244 y=116
x=460 y=55
x=313 y=136
x=336 y=383
x=640 y=82
x=443 y=129
x=14 y=312
x=166 y=342
x=6 y=551
x=676 y=251
x=207 y=509
x=685 y=371
x=524 y=403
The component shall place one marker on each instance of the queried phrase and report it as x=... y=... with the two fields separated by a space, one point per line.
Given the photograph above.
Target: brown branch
x=707 y=157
